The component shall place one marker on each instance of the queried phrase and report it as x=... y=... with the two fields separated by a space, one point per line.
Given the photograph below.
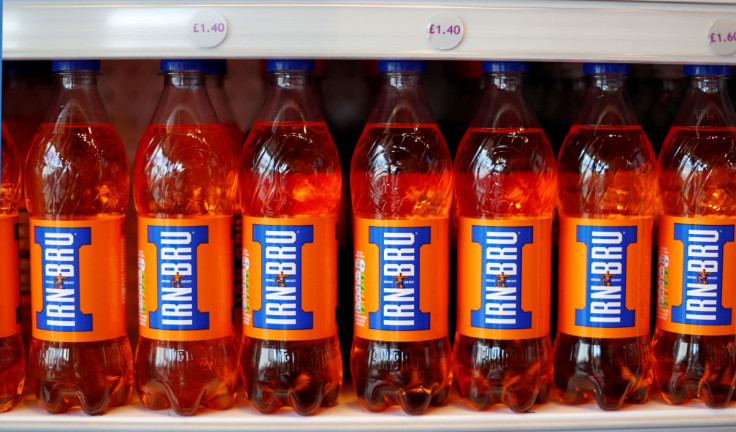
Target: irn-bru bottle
x=184 y=184
x=693 y=343
x=401 y=187
x=290 y=354
x=12 y=353
x=504 y=196
x=76 y=183
x=216 y=70
x=605 y=199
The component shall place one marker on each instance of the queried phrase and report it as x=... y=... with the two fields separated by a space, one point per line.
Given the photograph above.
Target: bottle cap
x=606 y=68
x=75 y=65
x=289 y=65
x=183 y=65
x=707 y=70
x=506 y=66
x=215 y=67
x=400 y=65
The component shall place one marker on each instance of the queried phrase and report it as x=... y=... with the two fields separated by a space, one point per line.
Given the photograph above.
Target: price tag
x=722 y=37
x=444 y=31
x=207 y=28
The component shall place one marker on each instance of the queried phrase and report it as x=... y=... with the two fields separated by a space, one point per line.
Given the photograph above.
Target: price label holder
x=207 y=28
x=444 y=31
x=721 y=37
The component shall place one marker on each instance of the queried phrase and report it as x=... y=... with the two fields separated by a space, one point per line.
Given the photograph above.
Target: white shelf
x=347 y=415
x=634 y=31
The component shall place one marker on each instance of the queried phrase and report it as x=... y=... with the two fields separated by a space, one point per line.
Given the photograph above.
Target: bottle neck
x=290 y=99
x=504 y=104
x=606 y=102
x=76 y=100
x=706 y=103
x=184 y=101
x=401 y=100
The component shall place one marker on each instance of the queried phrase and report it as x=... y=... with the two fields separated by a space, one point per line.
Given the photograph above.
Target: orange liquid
x=696 y=180
x=503 y=173
x=66 y=177
x=608 y=170
x=181 y=170
x=12 y=370
x=290 y=170
x=401 y=171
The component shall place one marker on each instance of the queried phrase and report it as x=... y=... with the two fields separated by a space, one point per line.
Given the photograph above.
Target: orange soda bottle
x=216 y=71
x=12 y=351
x=184 y=185
x=76 y=183
x=605 y=201
x=693 y=342
x=505 y=182
x=401 y=187
x=290 y=183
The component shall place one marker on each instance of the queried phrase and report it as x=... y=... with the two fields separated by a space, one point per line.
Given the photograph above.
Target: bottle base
x=304 y=400
x=158 y=396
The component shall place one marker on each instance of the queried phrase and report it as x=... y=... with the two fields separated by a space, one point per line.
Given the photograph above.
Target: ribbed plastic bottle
x=12 y=351
x=184 y=185
x=695 y=332
x=76 y=184
x=216 y=71
x=505 y=184
x=605 y=198
x=401 y=188
x=290 y=183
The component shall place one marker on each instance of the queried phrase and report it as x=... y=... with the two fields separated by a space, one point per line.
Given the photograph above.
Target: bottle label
x=185 y=278
x=9 y=289
x=290 y=267
x=503 y=277
x=401 y=279
x=78 y=279
x=695 y=289
x=604 y=276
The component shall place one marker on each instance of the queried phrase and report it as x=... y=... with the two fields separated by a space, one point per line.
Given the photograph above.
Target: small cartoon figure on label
x=501 y=280
x=281 y=280
x=59 y=281
x=176 y=280
x=606 y=279
x=399 y=282
x=702 y=277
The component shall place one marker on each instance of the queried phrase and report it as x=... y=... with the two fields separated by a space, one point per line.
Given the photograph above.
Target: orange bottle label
x=185 y=278
x=290 y=273
x=503 y=277
x=78 y=279
x=9 y=289
x=604 y=272
x=401 y=279
x=696 y=286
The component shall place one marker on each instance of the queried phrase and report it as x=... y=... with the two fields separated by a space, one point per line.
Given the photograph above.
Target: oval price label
x=721 y=37
x=207 y=28
x=444 y=31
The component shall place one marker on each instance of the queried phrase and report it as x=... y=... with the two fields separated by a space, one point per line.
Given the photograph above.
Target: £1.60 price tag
x=721 y=37
x=444 y=31
x=207 y=28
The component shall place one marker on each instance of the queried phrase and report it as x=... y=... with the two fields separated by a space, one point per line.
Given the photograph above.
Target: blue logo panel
x=60 y=279
x=702 y=274
x=281 y=277
x=398 y=274
x=176 y=261
x=605 y=276
x=501 y=277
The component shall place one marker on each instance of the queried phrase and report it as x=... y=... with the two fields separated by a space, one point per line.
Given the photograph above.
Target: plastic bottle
x=291 y=354
x=76 y=183
x=216 y=71
x=693 y=344
x=27 y=90
x=401 y=187
x=12 y=351
x=605 y=197
x=184 y=186
x=505 y=183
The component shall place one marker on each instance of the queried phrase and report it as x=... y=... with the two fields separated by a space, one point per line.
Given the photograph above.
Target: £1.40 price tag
x=207 y=28
x=721 y=37
x=444 y=31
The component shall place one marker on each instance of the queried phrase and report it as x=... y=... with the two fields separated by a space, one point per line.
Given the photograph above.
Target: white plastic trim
x=634 y=31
